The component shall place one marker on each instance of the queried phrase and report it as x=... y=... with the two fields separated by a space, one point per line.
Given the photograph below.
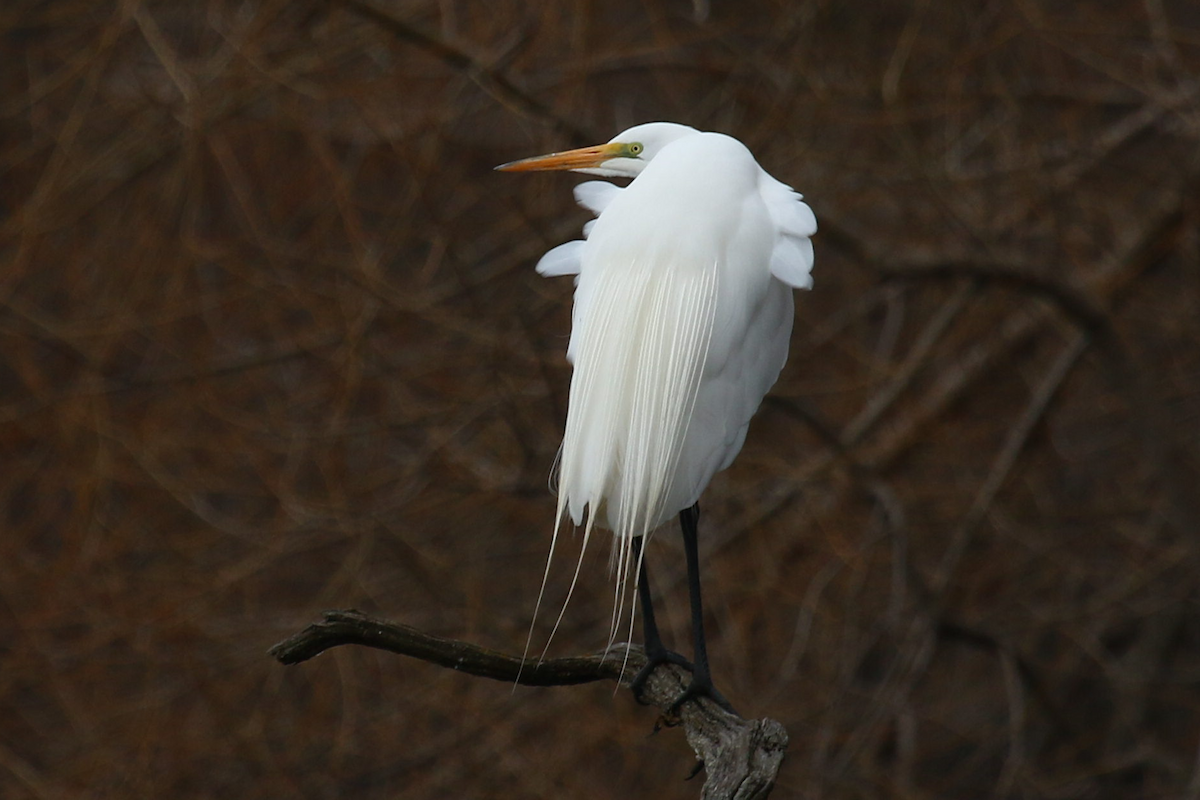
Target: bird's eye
x=635 y=149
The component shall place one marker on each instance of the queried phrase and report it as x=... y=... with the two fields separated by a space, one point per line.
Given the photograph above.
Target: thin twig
x=353 y=627
x=490 y=79
x=1006 y=459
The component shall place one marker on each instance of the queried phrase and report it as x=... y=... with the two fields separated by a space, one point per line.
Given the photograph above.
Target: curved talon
x=653 y=660
x=701 y=686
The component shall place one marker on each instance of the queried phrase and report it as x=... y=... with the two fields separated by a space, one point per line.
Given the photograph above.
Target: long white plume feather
x=642 y=341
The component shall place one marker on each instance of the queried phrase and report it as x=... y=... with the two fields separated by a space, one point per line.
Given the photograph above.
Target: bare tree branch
x=741 y=757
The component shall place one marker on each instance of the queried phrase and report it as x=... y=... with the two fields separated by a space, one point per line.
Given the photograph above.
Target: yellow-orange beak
x=582 y=158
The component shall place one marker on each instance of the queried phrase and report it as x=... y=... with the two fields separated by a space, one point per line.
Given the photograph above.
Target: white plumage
x=682 y=316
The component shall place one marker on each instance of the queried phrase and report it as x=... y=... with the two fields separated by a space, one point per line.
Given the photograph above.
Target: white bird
x=683 y=313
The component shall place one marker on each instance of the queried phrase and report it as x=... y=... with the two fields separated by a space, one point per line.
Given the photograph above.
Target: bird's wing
x=596 y=195
x=792 y=257
x=561 y=260
x=565 y=259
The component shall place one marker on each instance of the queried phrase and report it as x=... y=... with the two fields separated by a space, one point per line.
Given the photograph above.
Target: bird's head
x=624 y=156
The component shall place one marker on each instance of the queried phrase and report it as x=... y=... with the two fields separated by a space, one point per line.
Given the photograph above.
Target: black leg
x=649 y=626
x=701 y=685
x=656 y=652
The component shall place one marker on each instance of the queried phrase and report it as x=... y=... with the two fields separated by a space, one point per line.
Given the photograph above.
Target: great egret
x=683 y=311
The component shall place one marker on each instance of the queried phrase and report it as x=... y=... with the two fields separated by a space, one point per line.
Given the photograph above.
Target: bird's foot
x=701 y=686
x=655 y=658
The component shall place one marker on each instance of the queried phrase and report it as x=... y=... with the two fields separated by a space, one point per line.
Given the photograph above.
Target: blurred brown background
x=272 y=343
